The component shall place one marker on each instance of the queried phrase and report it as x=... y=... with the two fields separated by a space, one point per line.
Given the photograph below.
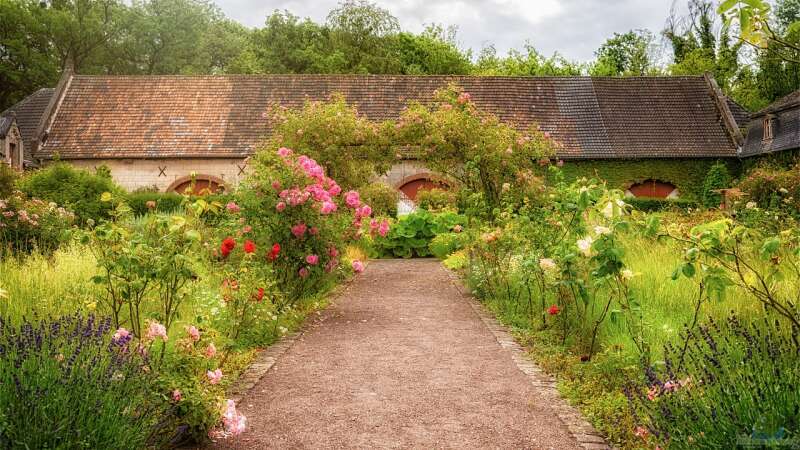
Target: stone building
x=775 y=128
x=155 y=131
x=11 y=145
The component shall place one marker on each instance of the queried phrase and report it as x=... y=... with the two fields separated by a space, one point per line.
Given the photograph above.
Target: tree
x=625 y=54
x=527 y=63
x=433 y=52
x=360 y=28
x=754 y=19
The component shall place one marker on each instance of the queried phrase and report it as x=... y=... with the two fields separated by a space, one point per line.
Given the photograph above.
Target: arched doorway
x=411 y=186
x=653 y=189
x=197 y=185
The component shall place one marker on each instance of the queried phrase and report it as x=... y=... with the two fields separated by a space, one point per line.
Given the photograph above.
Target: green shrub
x=457 y=260
x=75 y=189
x=66 y=383
x=436 y=199
x=28 y=224
x=8 y=177
x=658 y=204
x=773 y=189
x=444 y=244
x=717 y=178
x=382 y=198
x=411 y=235
x=726 y=383
x=162 y=202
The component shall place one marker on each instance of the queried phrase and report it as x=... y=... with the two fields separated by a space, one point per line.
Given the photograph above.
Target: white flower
x=600 y=230
x=627 y=274
x=547 y=264
x=585 y=245
x=751 y=205
x=506 y=187
x=783 y=191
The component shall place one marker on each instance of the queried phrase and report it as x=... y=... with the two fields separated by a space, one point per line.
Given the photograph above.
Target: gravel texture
x=400 y=360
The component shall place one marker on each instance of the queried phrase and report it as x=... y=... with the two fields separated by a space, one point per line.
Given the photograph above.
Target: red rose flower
x=259 y=295
x=249 y=246
x=553 y=310
x=228 y=244
x=273 y=254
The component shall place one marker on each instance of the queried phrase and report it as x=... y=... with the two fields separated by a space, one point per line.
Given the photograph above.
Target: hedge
x=165 y=202
x=660 y=204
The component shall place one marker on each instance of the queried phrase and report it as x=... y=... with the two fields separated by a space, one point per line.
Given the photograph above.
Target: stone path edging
x=581 y=430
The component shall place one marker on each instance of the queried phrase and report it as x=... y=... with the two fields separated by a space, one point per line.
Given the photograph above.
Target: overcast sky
x=575 y=28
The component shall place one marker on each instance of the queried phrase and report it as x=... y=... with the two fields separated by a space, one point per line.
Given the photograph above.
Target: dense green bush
x=442 y=245
x=773 y=188
x=28 y=224
x=436 y=199
x=8 y=178
x=726 y=383
x=716 y=179
x=411 y=234
x=166 y=202
x=382 y=198
x=75 y=189
x=658 y=204
x=66 y=383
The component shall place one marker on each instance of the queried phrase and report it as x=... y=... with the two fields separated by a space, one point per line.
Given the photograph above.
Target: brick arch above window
x=653 y=188
x=203 y=184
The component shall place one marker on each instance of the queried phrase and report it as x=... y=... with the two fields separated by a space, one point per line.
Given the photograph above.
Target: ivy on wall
x=688 y=175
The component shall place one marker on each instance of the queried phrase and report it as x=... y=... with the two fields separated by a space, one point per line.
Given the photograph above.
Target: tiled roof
x=740 y=115
x=789 y=101
x=29 y=111
x=224 y=116
x=5 y=124
x=785 y=132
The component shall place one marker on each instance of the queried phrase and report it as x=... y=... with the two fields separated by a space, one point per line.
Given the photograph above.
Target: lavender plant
x=735 y=385
x=66 y=383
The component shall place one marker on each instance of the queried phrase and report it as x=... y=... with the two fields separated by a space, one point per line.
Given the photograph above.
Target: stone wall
x=134 y=174
x=12 y=137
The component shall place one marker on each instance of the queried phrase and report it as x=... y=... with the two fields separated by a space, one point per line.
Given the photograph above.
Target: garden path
x=402 y=360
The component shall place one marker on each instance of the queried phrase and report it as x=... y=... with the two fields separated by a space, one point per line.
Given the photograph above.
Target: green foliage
x=456 y=261
x=625 y=54
x=8 y=180
x=528 y=62
x=334 y=135
x=382 y=198
x=725 y=383
x=64 y=384
x=75 y=189
x=773 y=188
x=717 y=178
x=444 y=244
x=143 y=202
x=436 y=199
x=412 y=234
x=687 y=175
x=657 y=204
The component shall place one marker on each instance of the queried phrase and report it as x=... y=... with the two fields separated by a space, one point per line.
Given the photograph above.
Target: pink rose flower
x=299 y=230
x=313 y=231
x=284 y=152
x=383 y=230
x=327 y=207
x=156 y=330
x=232 y=207
x=358 y=266
x=280 y=206
x=193 y=333
x=211 y=350
x=303 y=272
x=312 y=259
x=121 y=333
x=176 y=395
x=363 y=211
x=233 y=422
x=333 y=252
x=276 y=185
x=352 y=199
x=215 y=376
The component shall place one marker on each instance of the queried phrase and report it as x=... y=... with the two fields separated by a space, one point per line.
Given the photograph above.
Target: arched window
x=653 y=189
x=198 y=185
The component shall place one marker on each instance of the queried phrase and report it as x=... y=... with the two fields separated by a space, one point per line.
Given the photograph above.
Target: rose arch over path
x=404 y=359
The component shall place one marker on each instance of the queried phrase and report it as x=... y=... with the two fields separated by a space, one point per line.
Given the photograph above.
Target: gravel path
x=401 y=360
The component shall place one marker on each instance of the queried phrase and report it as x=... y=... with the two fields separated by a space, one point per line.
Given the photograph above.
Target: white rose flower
x=783 y=191
x=751 y=205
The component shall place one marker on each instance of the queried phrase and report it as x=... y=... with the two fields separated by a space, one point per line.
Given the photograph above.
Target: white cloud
x=574 y=28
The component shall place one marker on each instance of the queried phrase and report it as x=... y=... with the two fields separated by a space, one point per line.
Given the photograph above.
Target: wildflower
x=276 y=185
x=284 y=152
x=641 y=432
x=211 y=350
x=249 y=246
x=156 y=330
x=671 y=386
x=464 y=97
x=312 y=259
x=383 y=229
x=553 y=310
x=193 y=333
x=303 y=272
x=585 y=245
x=652 y=393
x=214 y=377
x=600 y=230
x=150 y=204
x=274 y=252
x=751 y=205
x=233 y=422
x=121 y=334
x=352 y=199
x=232 y=207
x=627 y=274
x=358 y=266
x=176 y=395
x=280 y=206
x=547 y=264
